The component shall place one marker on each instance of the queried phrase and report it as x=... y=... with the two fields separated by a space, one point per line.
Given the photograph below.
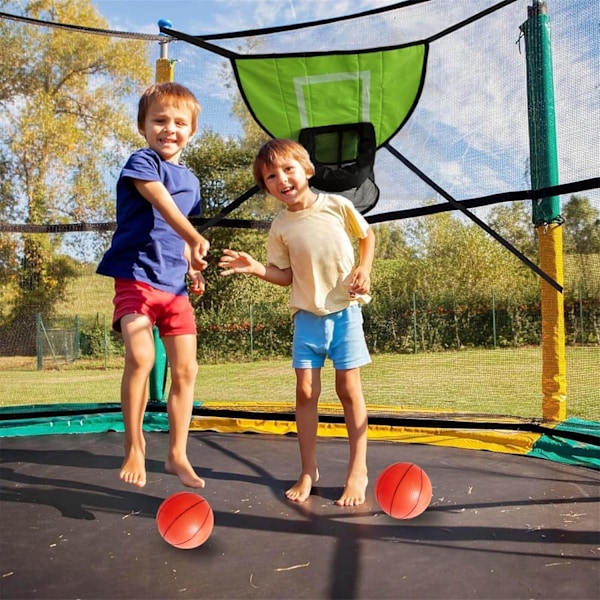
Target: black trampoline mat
x=499 y=525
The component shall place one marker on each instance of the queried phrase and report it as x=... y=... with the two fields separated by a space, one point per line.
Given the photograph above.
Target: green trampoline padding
x=52 y=419
x=569 y=451
x=43 y=419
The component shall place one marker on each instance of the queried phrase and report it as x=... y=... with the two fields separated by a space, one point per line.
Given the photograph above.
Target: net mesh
x=442 y=351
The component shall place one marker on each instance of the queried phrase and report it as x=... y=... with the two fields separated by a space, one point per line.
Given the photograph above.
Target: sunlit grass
x=88 y=295
x=495 y=382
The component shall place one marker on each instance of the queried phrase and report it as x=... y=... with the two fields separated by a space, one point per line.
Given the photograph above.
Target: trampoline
x=498 y=526
x=515 y=511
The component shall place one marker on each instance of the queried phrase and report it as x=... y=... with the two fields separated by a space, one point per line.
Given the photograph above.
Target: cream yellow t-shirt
x=317 y=244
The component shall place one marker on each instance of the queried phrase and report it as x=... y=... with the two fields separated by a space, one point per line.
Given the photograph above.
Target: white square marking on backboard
x=301 y=82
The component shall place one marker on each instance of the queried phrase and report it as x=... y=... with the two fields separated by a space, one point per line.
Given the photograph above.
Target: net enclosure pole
x=165 y=67
x=157 y=382
x=546 y=215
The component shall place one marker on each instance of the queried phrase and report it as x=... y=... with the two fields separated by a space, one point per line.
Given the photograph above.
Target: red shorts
x=173 y=315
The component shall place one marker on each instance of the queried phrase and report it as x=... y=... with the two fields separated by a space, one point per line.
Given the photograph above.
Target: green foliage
x=96 y=342
x=582 y=227
x=68 y=97
x=514 y=223
x=391 y=241
x=71 y=110
x=223 y=168
x=452 y=287
x=254 y=331
x=457 y=262
x=581 y=241
x=438 y=282
x=42 y=277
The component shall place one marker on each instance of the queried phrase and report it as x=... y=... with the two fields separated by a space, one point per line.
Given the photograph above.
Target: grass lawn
x=88 y=294
x=484 y=381
x=503 y=381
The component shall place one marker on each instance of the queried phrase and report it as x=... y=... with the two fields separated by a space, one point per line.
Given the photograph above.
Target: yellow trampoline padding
x=230 y=425
x=508 y=442
x=332 y=408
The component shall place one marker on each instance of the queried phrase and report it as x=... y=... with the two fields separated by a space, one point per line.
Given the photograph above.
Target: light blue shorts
x=338 y=336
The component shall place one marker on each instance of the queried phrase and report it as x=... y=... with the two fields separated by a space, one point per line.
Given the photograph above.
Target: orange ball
x=403 y=490
x=185 y=520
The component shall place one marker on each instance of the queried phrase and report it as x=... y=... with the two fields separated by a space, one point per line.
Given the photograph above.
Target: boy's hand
x=360 y=282
x=198 y=251
x=236 y=262
x=197 y=282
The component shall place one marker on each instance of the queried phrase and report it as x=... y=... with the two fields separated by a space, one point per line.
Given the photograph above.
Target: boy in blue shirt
x=153 y=249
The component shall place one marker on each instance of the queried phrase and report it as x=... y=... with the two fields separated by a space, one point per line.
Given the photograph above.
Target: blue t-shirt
x=144 y=246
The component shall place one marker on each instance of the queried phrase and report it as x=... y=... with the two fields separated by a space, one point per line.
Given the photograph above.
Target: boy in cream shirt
x=310 y=247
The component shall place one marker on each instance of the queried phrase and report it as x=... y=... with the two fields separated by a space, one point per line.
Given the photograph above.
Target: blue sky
x=218 y=16
x=469 y=133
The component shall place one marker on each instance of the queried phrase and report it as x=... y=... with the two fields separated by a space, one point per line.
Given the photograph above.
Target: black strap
x=475 y=219
x=328 y=147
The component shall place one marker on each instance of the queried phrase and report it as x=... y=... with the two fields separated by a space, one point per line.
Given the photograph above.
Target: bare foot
x=354 y=491
x=133 y=469
x=184 y=470
x=300 y=491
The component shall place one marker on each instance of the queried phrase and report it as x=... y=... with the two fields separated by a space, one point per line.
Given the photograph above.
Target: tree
x=462 y=265
x=582 y=242
x=582 y=226
x=513 y=222
x=68 y=95
x=390 y=241
x=224 y=168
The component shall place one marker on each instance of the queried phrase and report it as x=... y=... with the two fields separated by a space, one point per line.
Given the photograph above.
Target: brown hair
x=173 y=93
x=275 y=151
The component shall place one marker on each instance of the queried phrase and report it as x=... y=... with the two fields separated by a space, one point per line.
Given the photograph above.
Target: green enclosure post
x=546 y=211
x=542 y=122
x=157 y=381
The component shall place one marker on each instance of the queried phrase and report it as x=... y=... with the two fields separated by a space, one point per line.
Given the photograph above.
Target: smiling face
x=283 y=169
x=167 y=128
x=287 y=181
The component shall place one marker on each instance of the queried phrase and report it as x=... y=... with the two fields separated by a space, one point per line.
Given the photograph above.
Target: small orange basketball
x=185 y=520
x=403 y=490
